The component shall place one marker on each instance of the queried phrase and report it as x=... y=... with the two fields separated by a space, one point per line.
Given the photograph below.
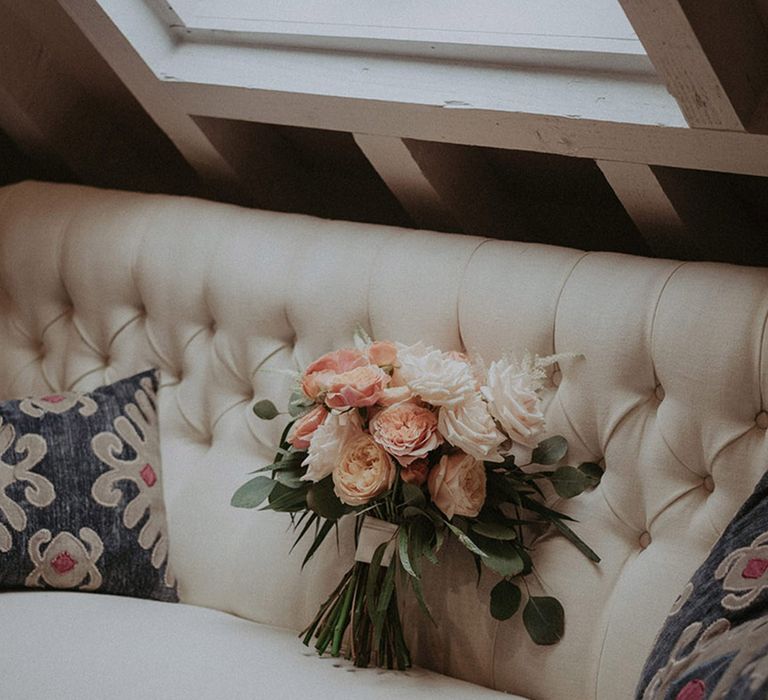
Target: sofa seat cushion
x=79 y=645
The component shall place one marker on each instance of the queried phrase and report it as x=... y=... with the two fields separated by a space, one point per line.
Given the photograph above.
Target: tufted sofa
x=669 y=394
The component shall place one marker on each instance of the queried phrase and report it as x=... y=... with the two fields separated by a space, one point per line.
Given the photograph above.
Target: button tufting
x=557 y=377
x=761 y=419
x=660 y=393
x=709 y=484
x=645 y=540
x=212 y=326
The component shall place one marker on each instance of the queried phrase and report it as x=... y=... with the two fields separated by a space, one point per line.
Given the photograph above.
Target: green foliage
x=322 y=500
x=253 y=493
x=299 y=404
x=569 y=481
x=544 y=618
x=265 y=409
x=593 y=471
x=505 y=600
x=494 y=531
x=502 y=557
x=550 y=451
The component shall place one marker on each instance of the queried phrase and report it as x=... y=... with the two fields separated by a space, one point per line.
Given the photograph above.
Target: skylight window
x=593 y=26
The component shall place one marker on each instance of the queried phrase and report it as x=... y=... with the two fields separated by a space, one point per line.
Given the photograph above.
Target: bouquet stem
x=367 y=609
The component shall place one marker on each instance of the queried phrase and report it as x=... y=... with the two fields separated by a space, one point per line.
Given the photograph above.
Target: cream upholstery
x=96 y=285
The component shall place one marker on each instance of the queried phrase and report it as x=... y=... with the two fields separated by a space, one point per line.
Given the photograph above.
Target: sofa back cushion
x=669 y=394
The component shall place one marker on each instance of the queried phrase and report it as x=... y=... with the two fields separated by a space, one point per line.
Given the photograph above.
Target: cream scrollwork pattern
x=58 y=403
x=67 y=562
x=39 y=491
x=137 y=429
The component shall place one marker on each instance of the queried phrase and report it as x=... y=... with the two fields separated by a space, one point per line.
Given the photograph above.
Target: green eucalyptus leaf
x=594 y=472
x=550 y=451
x=253 y=493
x=299 y=404
x=501 y=557
x=265 y=409
x=323 y=501
x=569 y=481
x=495 y=531
x=544 y=618
x=289 y=477
x=505 y=599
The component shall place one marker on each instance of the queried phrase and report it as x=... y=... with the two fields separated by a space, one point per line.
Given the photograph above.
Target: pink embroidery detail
x=692 y=690
x=54 y=398
x=755 y=568
x=63 y=562
x=148 y=475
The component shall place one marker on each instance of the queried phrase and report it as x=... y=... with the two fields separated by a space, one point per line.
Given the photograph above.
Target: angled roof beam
x=712 y=54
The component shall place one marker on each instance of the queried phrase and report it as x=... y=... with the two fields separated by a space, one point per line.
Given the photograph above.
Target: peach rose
x=303 y=429
x=406 y=430
x=364 y=471
x=361 y=386
x=416 y=472
x=382 y=353
x=316 y=377
x=457 y=485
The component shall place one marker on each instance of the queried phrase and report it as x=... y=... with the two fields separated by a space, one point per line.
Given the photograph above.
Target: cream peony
x=406 y=430
x=470 y=427
x=512 y=393
x=301 y=432
x=457 y=485
x=363 y=472
x=328 y=442
x=435 y=376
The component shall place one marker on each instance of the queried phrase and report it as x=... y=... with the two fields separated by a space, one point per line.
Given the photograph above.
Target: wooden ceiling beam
x=446 y=186
x=712 y=55
x=686 y=215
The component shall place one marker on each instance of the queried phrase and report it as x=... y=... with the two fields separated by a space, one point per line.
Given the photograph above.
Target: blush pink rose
x=406 y=430
x=457 y=485
x=317 y=376
x=361 y=386
x=364 y=471
x=382 y=353
x=303 y=429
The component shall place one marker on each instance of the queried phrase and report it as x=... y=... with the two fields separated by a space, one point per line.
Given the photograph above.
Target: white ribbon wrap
x=373 y=533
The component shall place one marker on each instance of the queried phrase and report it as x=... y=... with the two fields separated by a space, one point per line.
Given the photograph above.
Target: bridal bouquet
x=418 y=445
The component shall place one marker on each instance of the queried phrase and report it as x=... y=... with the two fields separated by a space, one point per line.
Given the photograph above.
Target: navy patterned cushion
x=81 y=497
x=714 y=643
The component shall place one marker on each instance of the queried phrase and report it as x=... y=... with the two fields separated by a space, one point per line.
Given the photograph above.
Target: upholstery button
x=709 y=484
x=660 y=393
x=762 y=420
x=645 y=540
x=557 y=377
x=212 y=326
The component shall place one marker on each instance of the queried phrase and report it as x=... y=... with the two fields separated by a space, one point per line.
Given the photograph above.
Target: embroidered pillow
x=81 y=497
x=714 y=643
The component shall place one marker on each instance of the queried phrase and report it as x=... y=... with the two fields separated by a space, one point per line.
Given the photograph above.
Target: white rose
x=437 y=377
x=328 y=442
x=514 y=401
x=470 y=427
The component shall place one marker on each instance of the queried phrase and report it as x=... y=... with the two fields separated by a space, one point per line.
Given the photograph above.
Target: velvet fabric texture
x=714 y=643
x=81 y=497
